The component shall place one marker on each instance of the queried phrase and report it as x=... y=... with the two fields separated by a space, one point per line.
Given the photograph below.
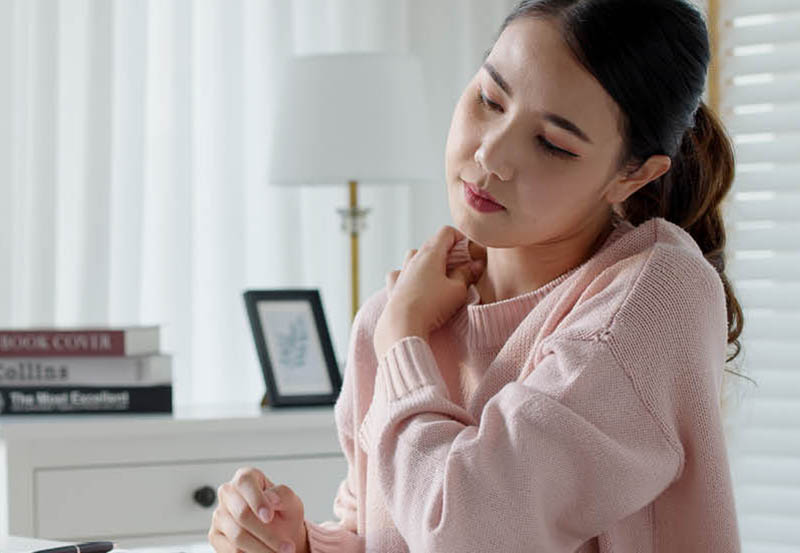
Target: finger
x=460 y=272
x=250 y=483
x=238 y=509
x=465 y=272
x=259 y=477
x=267 y=532
x=291 y=503
x=238 y=536
x=286 y=495
x=444 y=240
x=477 y=267
x=220 y=543
x=409 y=255
x=391 y=279
x=476 y=251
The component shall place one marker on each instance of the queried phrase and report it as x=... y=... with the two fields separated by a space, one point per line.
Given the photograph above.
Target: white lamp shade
x=351 y=116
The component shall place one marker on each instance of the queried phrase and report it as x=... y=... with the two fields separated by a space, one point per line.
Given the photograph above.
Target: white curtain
x=133 y=153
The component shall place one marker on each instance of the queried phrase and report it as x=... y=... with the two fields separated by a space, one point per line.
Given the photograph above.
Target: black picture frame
x=298 y=369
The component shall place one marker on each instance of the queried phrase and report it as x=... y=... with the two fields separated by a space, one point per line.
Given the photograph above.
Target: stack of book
x=84 y=370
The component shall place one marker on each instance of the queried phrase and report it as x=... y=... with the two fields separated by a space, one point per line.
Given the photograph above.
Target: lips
x=480 y=193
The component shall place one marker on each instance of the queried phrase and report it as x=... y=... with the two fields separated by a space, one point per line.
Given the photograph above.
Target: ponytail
x=690 y=195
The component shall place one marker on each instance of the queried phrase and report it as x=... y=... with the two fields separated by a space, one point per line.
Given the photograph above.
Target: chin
x=480 y=231
x=471 y=227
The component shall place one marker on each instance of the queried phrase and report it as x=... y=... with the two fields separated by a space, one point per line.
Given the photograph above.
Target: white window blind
x=759 y=102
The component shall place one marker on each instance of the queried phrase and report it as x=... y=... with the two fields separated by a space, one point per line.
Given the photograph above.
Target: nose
x=492 y=160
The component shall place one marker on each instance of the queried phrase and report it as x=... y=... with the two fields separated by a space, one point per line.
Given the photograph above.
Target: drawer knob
x=205 y=496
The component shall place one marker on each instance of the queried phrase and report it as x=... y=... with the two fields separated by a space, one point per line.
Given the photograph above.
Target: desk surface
x=18 y=544
x=185 y=419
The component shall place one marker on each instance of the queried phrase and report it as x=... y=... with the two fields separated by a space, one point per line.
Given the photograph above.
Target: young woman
x=546 y=374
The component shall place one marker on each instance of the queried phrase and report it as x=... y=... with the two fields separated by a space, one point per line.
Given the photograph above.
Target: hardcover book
x=135 y=370
x=79 y=342
x=85 y=399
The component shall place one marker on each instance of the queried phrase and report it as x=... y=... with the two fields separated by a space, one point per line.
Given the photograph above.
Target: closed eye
x=555 y=149
x=549 y=148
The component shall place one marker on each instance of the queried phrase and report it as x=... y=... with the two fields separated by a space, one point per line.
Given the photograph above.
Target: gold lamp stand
x=353 y=221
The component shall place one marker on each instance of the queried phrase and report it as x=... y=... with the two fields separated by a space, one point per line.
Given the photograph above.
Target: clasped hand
x=256 y=516
x=423 y=295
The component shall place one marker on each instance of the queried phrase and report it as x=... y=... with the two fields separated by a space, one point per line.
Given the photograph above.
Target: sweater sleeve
x=339 y=536
x=342 y=536
x=556 y=458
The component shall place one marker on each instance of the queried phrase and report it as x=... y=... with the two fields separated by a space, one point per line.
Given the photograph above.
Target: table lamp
x=350 y=118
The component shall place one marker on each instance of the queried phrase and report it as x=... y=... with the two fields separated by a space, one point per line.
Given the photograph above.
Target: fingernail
x=286 y=548
x=264 y=514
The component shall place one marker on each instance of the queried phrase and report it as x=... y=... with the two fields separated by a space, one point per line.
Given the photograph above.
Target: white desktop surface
x=18 y=544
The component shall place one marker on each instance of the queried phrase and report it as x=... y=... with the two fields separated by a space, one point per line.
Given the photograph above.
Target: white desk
x=19 y=544
x=150 y=480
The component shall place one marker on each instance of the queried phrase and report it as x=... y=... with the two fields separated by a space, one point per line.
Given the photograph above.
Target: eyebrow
x=556 y=119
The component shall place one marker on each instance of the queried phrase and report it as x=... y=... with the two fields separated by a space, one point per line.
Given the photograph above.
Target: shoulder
x=669 y=331
x=675 y=290
x=654 y=274
x=656 y=307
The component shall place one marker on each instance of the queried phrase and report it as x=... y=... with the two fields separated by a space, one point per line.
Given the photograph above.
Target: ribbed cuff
x=329 y=537
x=407 y=365
x=458 y=254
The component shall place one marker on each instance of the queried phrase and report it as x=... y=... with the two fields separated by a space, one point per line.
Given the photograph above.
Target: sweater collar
x=486 y=327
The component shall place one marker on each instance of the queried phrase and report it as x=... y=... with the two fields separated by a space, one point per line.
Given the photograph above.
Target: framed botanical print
x=294 y=347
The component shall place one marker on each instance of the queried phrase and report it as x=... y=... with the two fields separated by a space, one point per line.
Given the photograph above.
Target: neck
x=511 y=272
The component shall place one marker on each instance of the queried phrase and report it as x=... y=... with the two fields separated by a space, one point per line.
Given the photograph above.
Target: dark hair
x=652 y=57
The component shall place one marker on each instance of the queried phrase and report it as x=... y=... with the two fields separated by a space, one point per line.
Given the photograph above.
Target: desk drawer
x=140 y=500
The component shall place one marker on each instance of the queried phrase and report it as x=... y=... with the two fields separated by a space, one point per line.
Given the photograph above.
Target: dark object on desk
x=87 y=547
x=294 y=347
x=83 y=400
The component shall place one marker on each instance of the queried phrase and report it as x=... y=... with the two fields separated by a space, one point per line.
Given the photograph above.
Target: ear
x=649 y=171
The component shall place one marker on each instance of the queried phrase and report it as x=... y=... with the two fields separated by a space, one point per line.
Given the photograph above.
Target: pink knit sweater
x=581 y=416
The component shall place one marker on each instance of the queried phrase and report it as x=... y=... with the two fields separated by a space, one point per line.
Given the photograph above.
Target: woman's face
x=548 y=195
